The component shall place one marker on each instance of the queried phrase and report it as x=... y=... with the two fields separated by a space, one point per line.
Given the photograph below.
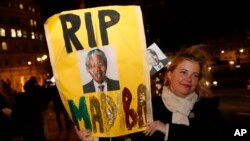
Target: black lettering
x=114 y=18
x=90 y=30
x=69 y=33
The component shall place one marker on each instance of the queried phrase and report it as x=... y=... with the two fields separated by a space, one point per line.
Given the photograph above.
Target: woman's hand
x=84 y=135
x=155 y=126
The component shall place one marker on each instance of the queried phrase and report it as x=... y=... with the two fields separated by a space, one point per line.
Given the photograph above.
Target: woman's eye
x=196 y=75
x=182 y=72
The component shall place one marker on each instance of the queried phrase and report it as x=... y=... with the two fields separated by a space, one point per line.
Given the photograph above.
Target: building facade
x=23 y=48
x=234 y=46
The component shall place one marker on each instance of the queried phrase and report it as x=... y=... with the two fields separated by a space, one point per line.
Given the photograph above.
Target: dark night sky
x=178 y=21
x=50 y=7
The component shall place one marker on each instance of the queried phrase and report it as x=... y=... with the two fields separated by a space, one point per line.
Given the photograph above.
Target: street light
x=29 y=63
x=241 y=50
x=41 y=59
x=42 y=69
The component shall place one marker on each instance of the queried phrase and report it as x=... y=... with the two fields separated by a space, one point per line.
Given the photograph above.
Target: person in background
x=96 y=64
x=5 y=116
x=186 y=108
x=28 y=111
x=59 y=109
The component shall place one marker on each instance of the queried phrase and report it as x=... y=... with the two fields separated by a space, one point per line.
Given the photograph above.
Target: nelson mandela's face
x=97 y=68
x=152 y=58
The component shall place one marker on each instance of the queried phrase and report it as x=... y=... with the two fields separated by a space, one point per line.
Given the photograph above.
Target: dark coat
x=207 y=123
x=112 y=85
x=27 y=113
x=6 y=126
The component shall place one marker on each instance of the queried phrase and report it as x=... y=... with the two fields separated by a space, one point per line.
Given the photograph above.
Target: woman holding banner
x=186 y=109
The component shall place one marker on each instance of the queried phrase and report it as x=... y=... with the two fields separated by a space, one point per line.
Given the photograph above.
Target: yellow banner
x=98 y=57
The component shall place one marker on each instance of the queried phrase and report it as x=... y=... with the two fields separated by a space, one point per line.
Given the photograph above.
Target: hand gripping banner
x=98 y=58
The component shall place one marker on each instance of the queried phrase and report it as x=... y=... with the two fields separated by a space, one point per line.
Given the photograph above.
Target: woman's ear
x=167 y=78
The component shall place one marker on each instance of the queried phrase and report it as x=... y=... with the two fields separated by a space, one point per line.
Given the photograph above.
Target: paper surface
x=118 y=32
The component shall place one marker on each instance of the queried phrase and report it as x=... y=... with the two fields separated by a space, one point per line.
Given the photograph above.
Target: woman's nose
x=188 y=78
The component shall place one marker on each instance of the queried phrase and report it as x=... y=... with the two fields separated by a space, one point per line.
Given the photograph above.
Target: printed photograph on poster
x=156 y=59
x=99 y=69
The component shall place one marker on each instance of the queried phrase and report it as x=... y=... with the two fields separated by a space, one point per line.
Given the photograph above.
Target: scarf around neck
x=180 y=107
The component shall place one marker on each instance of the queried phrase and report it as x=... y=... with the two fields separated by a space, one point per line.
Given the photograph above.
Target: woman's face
x=184 y=78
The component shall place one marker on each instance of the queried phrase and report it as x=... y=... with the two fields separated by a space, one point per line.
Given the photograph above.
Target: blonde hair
x=194 y=53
